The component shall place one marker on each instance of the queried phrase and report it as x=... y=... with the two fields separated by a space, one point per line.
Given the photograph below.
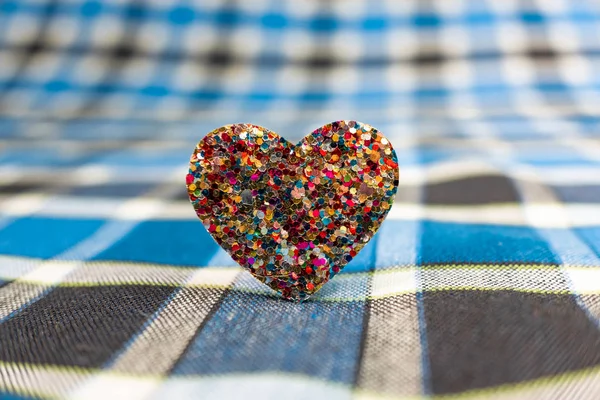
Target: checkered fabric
x=484 y=281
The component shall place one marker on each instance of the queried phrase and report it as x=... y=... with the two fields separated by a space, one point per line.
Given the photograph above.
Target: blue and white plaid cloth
x=484 y=281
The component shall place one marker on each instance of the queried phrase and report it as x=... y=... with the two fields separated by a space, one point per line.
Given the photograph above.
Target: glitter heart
x=293 y=215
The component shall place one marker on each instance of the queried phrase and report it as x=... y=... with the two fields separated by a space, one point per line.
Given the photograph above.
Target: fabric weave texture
x=483 y=282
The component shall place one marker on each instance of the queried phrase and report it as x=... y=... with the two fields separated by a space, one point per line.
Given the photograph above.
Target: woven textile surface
x=483 y=282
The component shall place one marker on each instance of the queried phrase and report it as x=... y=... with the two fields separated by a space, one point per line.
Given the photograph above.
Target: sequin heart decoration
x=293 y=215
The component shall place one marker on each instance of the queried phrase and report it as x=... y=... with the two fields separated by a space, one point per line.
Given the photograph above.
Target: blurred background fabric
x=484 y=281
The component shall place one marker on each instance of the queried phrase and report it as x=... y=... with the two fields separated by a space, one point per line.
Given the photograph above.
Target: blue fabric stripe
x=12 y=396
x=287 y=337
x=44 y=237
x=180 y=243
x=591 y=236
x=187 y=243
x=443 y=243
x=486 y=92
x=231 y=17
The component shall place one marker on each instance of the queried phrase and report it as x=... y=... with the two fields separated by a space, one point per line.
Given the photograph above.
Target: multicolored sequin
x=293 y=215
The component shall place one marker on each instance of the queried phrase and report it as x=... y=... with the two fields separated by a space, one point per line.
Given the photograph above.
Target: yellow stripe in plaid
x=49 y=382
x=346 y=287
